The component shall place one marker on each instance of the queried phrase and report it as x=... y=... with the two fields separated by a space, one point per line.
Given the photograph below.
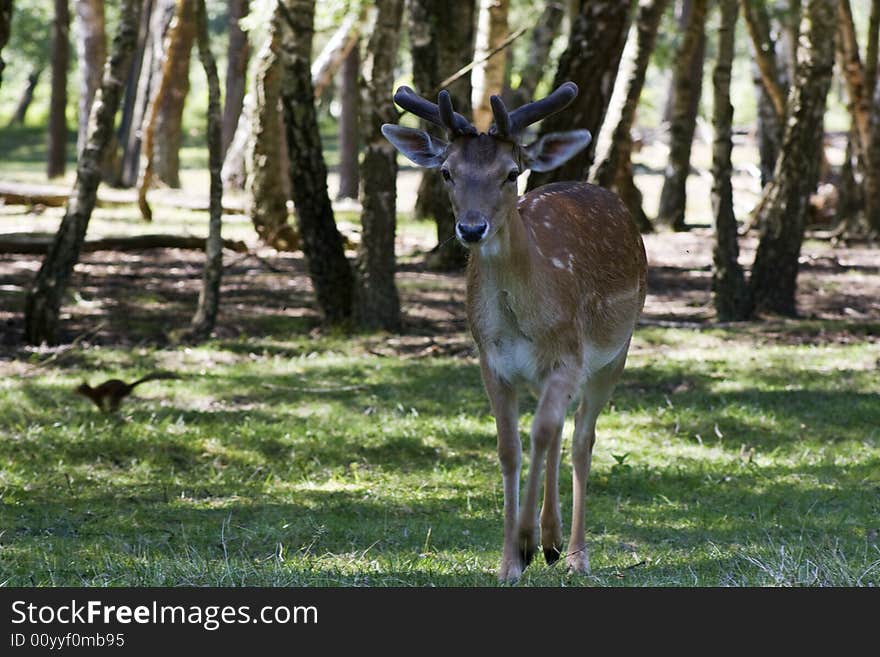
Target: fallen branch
x=38 y=243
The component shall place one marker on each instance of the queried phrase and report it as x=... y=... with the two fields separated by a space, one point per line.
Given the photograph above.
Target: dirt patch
x=144 y=298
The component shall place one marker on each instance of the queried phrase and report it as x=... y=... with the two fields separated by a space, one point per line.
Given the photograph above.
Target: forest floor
x=731 y=454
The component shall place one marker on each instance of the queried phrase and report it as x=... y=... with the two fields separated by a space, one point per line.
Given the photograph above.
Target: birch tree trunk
x=329 y=270
x=238 y=55
x=687 y=87
x=729 y=289
x=784 y=207
x=43 y=301
x=376 y=302
x=209 y=298
x=349 y=125
x=57 y=135
x=91 y=51
x=543 y=35
x=591 y=60
x=615 y=165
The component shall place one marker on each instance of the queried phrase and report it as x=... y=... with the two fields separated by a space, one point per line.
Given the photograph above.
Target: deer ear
x=555 y=149
x=417 y=145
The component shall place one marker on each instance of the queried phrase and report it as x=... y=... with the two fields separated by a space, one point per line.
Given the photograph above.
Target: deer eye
x=513 y=175
x=446 y=175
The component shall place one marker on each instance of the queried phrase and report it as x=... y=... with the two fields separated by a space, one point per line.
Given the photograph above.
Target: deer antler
x=512 y=124
x=441 y=113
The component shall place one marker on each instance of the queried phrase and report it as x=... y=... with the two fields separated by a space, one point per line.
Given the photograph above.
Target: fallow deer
x=555 y=286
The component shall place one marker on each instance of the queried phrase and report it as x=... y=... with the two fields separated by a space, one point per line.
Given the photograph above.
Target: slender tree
x=166 y=115
x=349 y=125
x=27 y=97
x=489 y=76
x=43 y=301
x=329 y=270
x=91 y=51
x=872 y=56
x=686 y=86
x=730 y=293
x=615 y=165
x=5 y=24
x=542 y=37
x=591 y=60
x=377 y=305
x=209 y=298
x=441 y=38
x=786 y=200
x=57 y=136
x=865 y=118
x=268 y=180
x=238 y=54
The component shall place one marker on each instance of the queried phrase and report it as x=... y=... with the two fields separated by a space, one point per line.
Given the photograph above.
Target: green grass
x=294 y=461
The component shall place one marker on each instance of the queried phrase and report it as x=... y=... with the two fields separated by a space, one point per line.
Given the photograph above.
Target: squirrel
x=109 y=395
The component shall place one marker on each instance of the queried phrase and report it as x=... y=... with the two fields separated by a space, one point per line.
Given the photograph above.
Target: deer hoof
x=579 y=562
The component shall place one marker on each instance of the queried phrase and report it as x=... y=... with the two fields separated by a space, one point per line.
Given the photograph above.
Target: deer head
x=481 y=170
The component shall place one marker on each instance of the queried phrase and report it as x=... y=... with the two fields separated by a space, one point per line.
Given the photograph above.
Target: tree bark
x=730 y=292
x=591 y=60
x=687 y=88
x=543 y=35
x=786 y=200
x=209 y=298
x=5 y=24
x=438 y=52
x=267 y=178
x=335 y=52
x=764 y=49
x=488 y=78
x=166 y=121
x=871 y=50
x=349 y=125
x=146 y=72
x=234 y=171
x=615 y=165
x=238 y=54
x=376 y=303
x=865 y=118
x=769 y=128
x=43 y=300
x=91 y=51
x=329 y=270
x=27 y=97
x=57 y=136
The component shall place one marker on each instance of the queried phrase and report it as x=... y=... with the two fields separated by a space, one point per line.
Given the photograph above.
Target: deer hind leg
x=544 y=447
x=596 y=393
x=551 y=516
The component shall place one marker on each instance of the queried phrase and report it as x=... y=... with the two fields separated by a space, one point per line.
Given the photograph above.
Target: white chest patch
x=513 y=358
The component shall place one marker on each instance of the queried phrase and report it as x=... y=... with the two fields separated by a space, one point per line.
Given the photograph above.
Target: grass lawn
x=725 y=459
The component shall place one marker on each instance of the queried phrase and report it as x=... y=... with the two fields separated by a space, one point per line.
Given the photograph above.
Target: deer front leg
x=502 y=398
x=555 y=397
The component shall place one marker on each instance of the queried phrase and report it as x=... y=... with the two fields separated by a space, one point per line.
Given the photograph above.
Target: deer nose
x=472 y=227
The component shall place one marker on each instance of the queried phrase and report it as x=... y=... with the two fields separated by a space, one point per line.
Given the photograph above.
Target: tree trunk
x=866 y=121
x=591 y=60
x=349 y=125
x=209 y=298
x=266 y=174
x=91 y=51
x=488 y=78
x=238 y=54
x=57 y=142
x=730 y=292
x=146 y=72
x=323 y=246
x=687 y=87
x=871 y=50
x=786 y=200
x=335 y=52
x=5 y=23
x=43 y=301
x=615 y=165
x=438 y=52
x=166 y=121
x=543 y=35
x=376 y=303
x=769 y=129
x=27 y=97
x=234 y=172
x=764 y=50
